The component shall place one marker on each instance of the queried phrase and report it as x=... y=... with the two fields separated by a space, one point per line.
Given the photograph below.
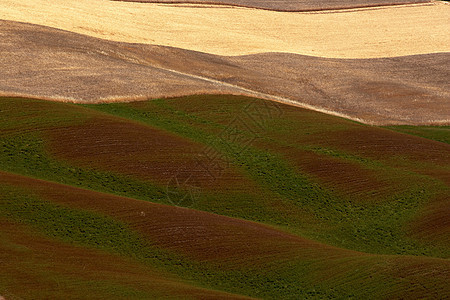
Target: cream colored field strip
x=393 y=31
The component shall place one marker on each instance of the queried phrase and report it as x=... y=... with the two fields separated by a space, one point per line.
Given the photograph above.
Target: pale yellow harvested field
x=47 y=63
x=368 y=33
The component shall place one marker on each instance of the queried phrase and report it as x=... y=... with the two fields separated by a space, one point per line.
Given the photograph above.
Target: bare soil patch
x=346 y=178
x=290 y=5
x=52 y=64
x=235 y=244
x=58 y=65
x=39 y=256
x=142 y=152
x=381 y=144
x=196 y=234
x=433 y=223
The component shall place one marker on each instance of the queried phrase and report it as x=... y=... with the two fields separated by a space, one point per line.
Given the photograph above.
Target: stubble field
x=238 y=149
x=410 y=90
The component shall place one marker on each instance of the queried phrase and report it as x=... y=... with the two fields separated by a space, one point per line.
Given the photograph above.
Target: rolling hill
x=224 y=149
x=263 y=219
x=65 y=66
x=370 y=33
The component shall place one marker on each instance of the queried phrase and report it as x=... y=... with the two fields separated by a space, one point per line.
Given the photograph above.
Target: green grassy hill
x=218 y=197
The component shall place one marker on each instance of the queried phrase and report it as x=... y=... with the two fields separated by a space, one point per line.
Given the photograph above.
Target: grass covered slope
x=279 y=202
x=437 y=133
x=206 y=250
x=37 y=266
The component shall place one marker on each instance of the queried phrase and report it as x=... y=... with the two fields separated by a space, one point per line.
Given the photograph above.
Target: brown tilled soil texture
x=230 y=244
x=290 y=5
x=142 y=152
x=59 y=65
x=46 y=263
x=47 y=63
x=196 y=234
x=382 y=144
x=347 y=178
x=433 y=222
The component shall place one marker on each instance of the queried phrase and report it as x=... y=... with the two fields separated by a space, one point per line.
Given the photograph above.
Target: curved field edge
x=386 y=32
x=437 y=133
x=277 y=191
x=288 y=5
x=307 y=270
x=89 y=70
x=428 y=164
x=39 y=265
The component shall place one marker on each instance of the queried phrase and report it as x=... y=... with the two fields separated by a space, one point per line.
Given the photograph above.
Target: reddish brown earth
x=349 y=179
x=344 y=156
x=47 y=263
x=235 y=244
x=397 y=150
x=58 y=65
x=290 y=5
x=143 y=152
x=345 y=178
x=196 y=234
x=433 y=222
x=383 y=144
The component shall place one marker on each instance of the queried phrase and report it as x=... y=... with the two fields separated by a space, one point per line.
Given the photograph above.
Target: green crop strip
x=374 y=227
x=274 y=173
x=25 y=154
x=319 y=214
x=70 y=225
x=94 y=230
x=437 y=133
x=288 y=279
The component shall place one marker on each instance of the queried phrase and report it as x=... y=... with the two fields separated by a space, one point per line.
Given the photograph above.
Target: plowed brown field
x=142 y=152
x=231 y=243
x=60 y=262
x=236 y=163
x=196 y=234
x=381 y=144
x=70 y=67
x=433 y=223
